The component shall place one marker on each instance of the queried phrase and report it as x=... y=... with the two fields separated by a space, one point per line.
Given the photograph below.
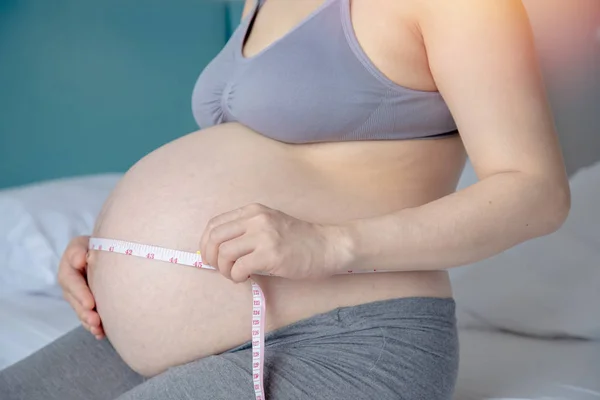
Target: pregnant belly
x=157 y=314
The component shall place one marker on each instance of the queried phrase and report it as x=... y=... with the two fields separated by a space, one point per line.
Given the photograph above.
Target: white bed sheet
x=497 y=365
x=28 y=322
x=493 y=365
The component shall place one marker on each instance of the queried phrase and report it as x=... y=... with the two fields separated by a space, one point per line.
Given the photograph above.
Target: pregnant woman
x=334 y=134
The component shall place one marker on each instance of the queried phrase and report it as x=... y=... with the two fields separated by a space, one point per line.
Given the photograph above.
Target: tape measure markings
x=195 y=260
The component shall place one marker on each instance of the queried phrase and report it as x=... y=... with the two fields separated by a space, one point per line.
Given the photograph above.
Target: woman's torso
x=158 y=315
x=314 y=83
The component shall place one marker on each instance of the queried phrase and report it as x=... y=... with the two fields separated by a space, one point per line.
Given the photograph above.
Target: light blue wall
x=234 y=12
x=91 y=86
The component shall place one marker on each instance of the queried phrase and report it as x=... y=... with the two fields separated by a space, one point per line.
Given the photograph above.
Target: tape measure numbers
x=195 y=260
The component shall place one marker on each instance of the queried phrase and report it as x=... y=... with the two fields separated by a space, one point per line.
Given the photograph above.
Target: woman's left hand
x=258 y=239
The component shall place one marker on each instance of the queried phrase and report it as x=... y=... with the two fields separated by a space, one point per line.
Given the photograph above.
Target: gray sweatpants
x=403 y=348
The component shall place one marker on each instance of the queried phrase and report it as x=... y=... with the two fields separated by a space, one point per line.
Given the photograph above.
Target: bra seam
x=230 y=115
x=351 y=135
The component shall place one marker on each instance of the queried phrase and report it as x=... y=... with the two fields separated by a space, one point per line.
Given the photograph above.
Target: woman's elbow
x=555 y=208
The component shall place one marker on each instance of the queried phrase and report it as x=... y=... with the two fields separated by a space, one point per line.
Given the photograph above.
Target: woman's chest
x=386 y=30
x=344 y=71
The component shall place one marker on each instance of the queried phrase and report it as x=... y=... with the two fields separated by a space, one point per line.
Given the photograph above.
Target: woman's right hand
x=72 y=279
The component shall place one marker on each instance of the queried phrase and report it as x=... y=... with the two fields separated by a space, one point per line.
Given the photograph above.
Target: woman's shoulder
x=475 y=15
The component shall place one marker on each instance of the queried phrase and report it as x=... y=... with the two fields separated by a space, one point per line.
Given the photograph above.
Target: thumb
x=242 y=269
x=78 y=259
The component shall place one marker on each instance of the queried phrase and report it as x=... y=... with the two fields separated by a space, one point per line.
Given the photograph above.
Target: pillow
x=548 y=286
x=38 y=220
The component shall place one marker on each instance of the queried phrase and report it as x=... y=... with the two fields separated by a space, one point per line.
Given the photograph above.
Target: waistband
x=397 y=312
x=403 y=306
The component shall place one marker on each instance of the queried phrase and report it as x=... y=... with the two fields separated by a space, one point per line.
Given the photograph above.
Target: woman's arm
x=482 y=58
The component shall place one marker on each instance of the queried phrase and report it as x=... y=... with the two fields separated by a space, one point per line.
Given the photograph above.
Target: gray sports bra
x=315 y=84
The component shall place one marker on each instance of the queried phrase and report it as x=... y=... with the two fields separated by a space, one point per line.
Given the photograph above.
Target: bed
x=28 y=321
x=497 y=365
x=494 y=365
x=529 y=319
x=529 y=326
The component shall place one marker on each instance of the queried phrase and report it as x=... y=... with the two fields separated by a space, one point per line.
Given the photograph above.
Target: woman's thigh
x=394 y=349
x=75 y=366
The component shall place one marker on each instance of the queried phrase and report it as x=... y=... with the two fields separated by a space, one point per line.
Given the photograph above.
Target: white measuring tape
x=195 y=260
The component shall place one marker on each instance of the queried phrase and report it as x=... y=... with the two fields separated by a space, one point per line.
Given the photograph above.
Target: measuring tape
x=195 y=260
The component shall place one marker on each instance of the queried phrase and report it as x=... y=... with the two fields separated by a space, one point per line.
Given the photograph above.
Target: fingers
x=89 y=318
x=73 y=282
x=243 y=268
x=227 y=238
x=231 y=251
x=79 y=310
x=86 y=317
x=242 y=212
x=71 y=276
x=76 y=252
x=92 y=318
x=215 y=237
x=71 y=272
x=213 y=223
x=98 y=332
x=95 y=324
